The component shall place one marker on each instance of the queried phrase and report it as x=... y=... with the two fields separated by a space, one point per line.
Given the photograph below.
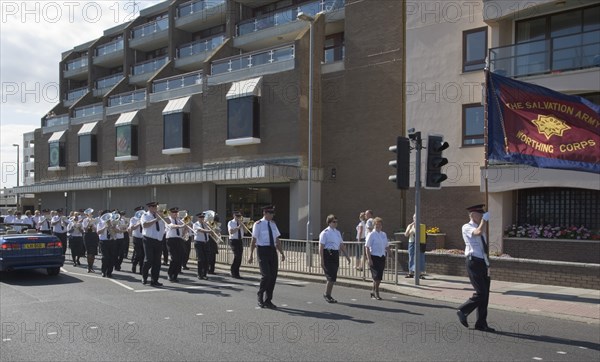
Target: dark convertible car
x=31 y=251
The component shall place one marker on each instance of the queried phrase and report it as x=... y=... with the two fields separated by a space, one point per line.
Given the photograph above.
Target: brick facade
x=577 y=251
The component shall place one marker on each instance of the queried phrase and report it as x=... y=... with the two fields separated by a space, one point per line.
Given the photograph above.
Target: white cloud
x=33 y=36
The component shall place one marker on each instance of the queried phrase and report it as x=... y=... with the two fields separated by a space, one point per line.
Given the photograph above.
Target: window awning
x=127 y=118
x=244 y=88
x=88 y=128
x=177 y=106
x=57 y=136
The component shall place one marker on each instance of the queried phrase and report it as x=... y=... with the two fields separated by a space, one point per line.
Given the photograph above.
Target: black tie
x=48 y=224
x=107 y=234
x=157 y=227
x=271 y=240
x=140 y=227
x=61 y=227
x=176 y=223
x=239 y=232
x=486 y=248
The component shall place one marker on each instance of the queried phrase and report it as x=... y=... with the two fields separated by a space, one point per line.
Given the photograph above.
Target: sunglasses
x=334 y=221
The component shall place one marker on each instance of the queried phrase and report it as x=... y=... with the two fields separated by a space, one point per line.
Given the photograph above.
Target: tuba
x=139 y=213
x=209 y=218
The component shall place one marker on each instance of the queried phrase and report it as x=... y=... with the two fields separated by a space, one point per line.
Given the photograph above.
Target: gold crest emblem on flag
x=550 y=126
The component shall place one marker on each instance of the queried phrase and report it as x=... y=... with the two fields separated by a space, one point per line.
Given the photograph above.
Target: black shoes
x=373 y=296
x=329 y=299
x=410 y=275
x=173 y=278
x=270 y=305
x=133 y=269
x=485 y=329
x=185 y=268
x=261 y=304
x=156 y=284
x=462 y=318
x=145 y=281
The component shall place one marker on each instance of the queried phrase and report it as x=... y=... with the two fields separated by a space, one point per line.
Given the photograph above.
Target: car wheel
x=53 y=271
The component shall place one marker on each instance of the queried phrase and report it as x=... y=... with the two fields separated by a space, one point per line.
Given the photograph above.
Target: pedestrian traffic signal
x=435 y=161
x=401 y=163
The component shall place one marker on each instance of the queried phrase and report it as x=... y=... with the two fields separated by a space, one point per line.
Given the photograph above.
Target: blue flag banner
x=532 y=125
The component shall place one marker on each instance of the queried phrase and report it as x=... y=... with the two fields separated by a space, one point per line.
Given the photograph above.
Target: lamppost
x=18 y=171
x=305 y=17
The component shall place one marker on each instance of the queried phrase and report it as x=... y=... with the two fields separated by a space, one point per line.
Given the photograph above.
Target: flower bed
x=550 y=232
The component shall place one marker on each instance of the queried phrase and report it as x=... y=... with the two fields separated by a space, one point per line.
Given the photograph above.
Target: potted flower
x=435 y=238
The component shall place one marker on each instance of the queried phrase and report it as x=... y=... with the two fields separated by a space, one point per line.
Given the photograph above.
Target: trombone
x=209 y=217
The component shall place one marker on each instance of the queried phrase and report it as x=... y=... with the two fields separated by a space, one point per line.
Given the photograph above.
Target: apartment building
x=205 y=104
x=555 y=44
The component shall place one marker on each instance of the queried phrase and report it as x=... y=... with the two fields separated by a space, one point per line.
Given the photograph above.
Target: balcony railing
x=110 y=47
x=57 y=120
x=76 y=93
x=151 y=65
x=77 y=63
x=252 y=59
x=150 y=28
x=288 y=15
x=90 y=110
x=200 y=46
x=179 y=81
x=109 y=81
x=554 y=55
x=195 y=6
x=127 y=98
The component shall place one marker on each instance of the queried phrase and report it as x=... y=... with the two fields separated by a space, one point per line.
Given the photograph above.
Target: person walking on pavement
x=376 y=248
x=330 y=245
x=236 y=235
x=476 y=252
x=265 y=237
x=153 y=229
x=201 y=236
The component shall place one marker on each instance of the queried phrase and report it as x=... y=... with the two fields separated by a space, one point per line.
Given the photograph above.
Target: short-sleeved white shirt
x=151 y=232
x=377 y=242
x=232 y=224
x=260 y=231
x=330 y=238
x=473 y=244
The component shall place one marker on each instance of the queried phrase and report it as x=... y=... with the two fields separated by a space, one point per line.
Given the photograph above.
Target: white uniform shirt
x=473 y=244
x=360 y=233
x=232 y=224
x=377 y=242
x=57 y=225
x=331 y=238
x=87 y=222
x=44 y=225
x=136 y=227
x=151 y=232
x=75 y=228
x=369 y=227
x=260 y=231
x=27 y=220
x=120 y=226
x=171 y=231
x=9 y=219
x=200 y=236
x=104 y=234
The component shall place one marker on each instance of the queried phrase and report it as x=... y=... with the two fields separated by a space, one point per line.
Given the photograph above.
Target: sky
x=33 y=35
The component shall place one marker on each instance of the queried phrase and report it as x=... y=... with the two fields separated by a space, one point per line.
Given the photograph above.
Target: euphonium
x=139 y=213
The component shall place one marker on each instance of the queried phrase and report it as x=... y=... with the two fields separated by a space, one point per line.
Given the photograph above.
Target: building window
x=56 y=150
x=176 y=127
x=334 y=48
x=87 y=148
x=559 y=207
x=127 y=140
x=472 y=124
x=474 y=49
x=243 y=118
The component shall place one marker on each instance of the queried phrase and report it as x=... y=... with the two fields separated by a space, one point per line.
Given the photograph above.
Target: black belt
x=471 y=257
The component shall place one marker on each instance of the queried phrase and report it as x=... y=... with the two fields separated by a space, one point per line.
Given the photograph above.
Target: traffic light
x=402 y=150
x=435 y=161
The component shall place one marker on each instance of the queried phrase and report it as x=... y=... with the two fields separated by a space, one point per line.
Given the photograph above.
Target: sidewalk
x=573 y=304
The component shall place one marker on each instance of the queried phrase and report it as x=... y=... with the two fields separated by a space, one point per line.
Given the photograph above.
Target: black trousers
x=175 y=246
x=213 y=250
x=237 y=247
x=202 y=254
x=63 y=239
x=138 y=252
x=269 y=266
x=152 y=253
x=109 y=249
x=165 y=250
x=123 y=246
x=187 y=248
x=478 y=274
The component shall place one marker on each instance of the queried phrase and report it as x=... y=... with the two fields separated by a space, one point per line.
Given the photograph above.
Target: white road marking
x=199 y=313
x=582 y=347
x=561 y=352
x=94 y=327
x=51 y=333
x=284 y=305
x=308 y=302
x=167 y=317
x=6 y=339
x=537 y=358
x=130 y=323
x=121 y=284
x=229 y=310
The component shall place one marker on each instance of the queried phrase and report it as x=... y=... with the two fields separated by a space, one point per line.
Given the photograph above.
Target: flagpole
x=485 y=146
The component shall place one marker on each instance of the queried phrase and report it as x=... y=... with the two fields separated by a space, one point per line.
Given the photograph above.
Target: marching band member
x=28 y=219
x=43 y=224
x=236 y=234
x=59 y=229
x=108 y=245
x=75 y=229
x=90 y=240
x=201 y=237
x=265 y=236
x=187 y=247
x=174 y=243
x=153 y=230
x=135 y=229
x=122 y=241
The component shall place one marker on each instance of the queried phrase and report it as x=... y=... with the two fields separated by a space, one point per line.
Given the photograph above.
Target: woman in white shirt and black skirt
x=376 y=249
x=330 y=243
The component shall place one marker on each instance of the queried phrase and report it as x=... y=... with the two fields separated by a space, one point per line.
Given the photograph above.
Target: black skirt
x=91 y=240
x=378 y=267
x=76 y=245
x=331 y=260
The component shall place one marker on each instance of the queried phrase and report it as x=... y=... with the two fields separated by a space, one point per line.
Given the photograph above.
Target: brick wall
x=550 y=249
x=574 y=275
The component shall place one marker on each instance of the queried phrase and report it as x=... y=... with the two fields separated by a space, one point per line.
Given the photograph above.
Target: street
x=81 y=316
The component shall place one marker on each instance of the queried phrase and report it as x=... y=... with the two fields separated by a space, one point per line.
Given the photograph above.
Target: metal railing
x=178 y=81
x=127 y=98
x=200 y=46
x=92 y=109
x=56 y=120
x=288 y=15
x=569 y=52
x=109 y=81
x=77 y=63
x=296 y=259
x=76 y=93
x=110 y=47
x=150 y=28
x=149 y=65
x=191 y=7
x=252 y=59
